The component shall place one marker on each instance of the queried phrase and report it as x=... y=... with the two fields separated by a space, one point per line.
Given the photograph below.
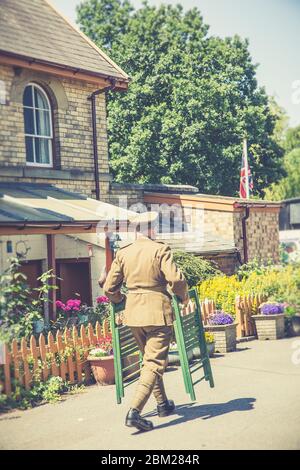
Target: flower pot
x=269 y=326
x=103 y=369
x=210 y=350
x=225 y=337
x=38 y=326
x=293 y=324
x=173 y=357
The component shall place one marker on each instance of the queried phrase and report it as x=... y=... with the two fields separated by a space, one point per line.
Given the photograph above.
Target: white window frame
x=49 y=138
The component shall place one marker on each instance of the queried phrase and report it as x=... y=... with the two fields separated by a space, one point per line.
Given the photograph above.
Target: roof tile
x=32 y=28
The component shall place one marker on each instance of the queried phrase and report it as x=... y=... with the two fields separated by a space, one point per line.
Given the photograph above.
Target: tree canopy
x=289 y=186
x=191 y=101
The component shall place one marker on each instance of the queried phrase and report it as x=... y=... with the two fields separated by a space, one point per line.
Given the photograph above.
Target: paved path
x=255 y=405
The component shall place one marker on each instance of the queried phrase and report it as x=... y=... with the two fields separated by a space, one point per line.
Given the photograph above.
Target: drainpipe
x=92 y=98
x=244 y=231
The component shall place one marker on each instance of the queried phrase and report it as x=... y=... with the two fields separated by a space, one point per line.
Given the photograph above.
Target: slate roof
x=45 y=203
x=34 y=29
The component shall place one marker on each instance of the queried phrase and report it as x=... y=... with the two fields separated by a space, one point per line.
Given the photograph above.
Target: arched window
x=38 y=126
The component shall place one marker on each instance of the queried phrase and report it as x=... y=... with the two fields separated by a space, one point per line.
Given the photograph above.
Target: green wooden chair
x=124 y=345
x=189 y=334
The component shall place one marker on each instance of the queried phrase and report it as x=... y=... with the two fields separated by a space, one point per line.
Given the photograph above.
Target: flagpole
x=245 y=151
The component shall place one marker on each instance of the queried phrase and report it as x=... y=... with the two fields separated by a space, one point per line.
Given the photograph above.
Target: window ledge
x=50 y=173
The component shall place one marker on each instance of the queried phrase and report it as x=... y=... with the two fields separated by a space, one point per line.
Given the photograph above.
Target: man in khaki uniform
x=147 y=268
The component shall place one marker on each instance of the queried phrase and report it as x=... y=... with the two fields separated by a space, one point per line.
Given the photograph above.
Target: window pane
x=28 y=121
x=42 y=154
x=29 y=149
x=40 y=100
x=42 y=122
x=27 y=96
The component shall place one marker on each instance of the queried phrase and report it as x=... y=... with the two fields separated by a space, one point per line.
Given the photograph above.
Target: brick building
x=53 y=144
x=48 y=73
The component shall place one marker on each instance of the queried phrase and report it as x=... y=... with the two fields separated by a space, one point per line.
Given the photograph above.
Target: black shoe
x=134 y=419
x=166 y=408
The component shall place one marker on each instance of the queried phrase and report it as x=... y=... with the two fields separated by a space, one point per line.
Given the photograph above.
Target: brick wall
x=262 y=233
x=219 y=225
x=73 y=168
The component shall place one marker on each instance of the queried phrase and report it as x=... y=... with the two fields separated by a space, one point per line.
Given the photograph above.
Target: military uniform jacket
x=147 y=268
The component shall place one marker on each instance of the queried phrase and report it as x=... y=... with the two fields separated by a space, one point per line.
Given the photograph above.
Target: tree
x=191 y=100
x=289 y=186
x=292 y=139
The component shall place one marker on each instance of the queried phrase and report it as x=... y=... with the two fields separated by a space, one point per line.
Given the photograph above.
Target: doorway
x=75 y=280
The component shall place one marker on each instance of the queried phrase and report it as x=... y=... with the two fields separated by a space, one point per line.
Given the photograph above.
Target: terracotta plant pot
x=292 y=325
x=103 y=369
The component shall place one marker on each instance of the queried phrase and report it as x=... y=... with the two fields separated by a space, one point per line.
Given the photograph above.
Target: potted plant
x=292 y=319
x=270 y=321
x=101 y=360
x=223 y=327
x=210 y=344
x=173 y=356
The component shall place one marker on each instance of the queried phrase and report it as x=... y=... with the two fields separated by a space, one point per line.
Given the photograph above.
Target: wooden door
x=75 y=282
x=32 y=270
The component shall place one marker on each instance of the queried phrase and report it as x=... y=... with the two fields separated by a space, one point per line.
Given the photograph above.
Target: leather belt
x=147 y=290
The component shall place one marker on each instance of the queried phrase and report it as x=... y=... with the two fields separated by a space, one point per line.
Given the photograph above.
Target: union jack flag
x=243 y=177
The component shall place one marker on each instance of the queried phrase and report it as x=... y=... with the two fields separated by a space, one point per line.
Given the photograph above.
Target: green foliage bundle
x=195 y=268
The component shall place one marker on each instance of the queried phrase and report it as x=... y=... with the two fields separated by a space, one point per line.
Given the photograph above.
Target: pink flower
x=102 y=299
x=71 y=304
x=60 y=304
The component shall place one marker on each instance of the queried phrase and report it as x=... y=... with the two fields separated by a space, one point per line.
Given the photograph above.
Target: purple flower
x=220 y=318
x=271 y=308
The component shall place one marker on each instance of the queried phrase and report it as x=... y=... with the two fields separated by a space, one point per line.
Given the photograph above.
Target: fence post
x=85 y=345
x=98 y=331
x=76 y=344
x=70 y=362
x=16 y=361
x=52 y=351
x=27 y=375
x=7 y=379
x=34 y=353
x=43 y=354
x=239 y=317
x=60 y=350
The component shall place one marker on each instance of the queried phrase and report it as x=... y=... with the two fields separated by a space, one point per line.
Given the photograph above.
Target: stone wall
x=73 y=167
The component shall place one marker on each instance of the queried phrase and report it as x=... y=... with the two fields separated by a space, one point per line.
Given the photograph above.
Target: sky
x=272 y=27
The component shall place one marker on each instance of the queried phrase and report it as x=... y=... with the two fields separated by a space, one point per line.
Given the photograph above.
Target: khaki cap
x=145 y=217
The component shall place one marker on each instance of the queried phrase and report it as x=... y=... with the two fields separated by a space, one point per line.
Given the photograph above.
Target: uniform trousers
x=153 y=342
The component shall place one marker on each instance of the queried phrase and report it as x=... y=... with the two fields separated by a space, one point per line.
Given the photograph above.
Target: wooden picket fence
x=23 y=361
x=63 y=356
x=245 y=307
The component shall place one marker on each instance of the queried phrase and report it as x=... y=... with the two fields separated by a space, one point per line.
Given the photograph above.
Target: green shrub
x=195 y=268
x=19 y=310
x=49 y=392
x=278 y=283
